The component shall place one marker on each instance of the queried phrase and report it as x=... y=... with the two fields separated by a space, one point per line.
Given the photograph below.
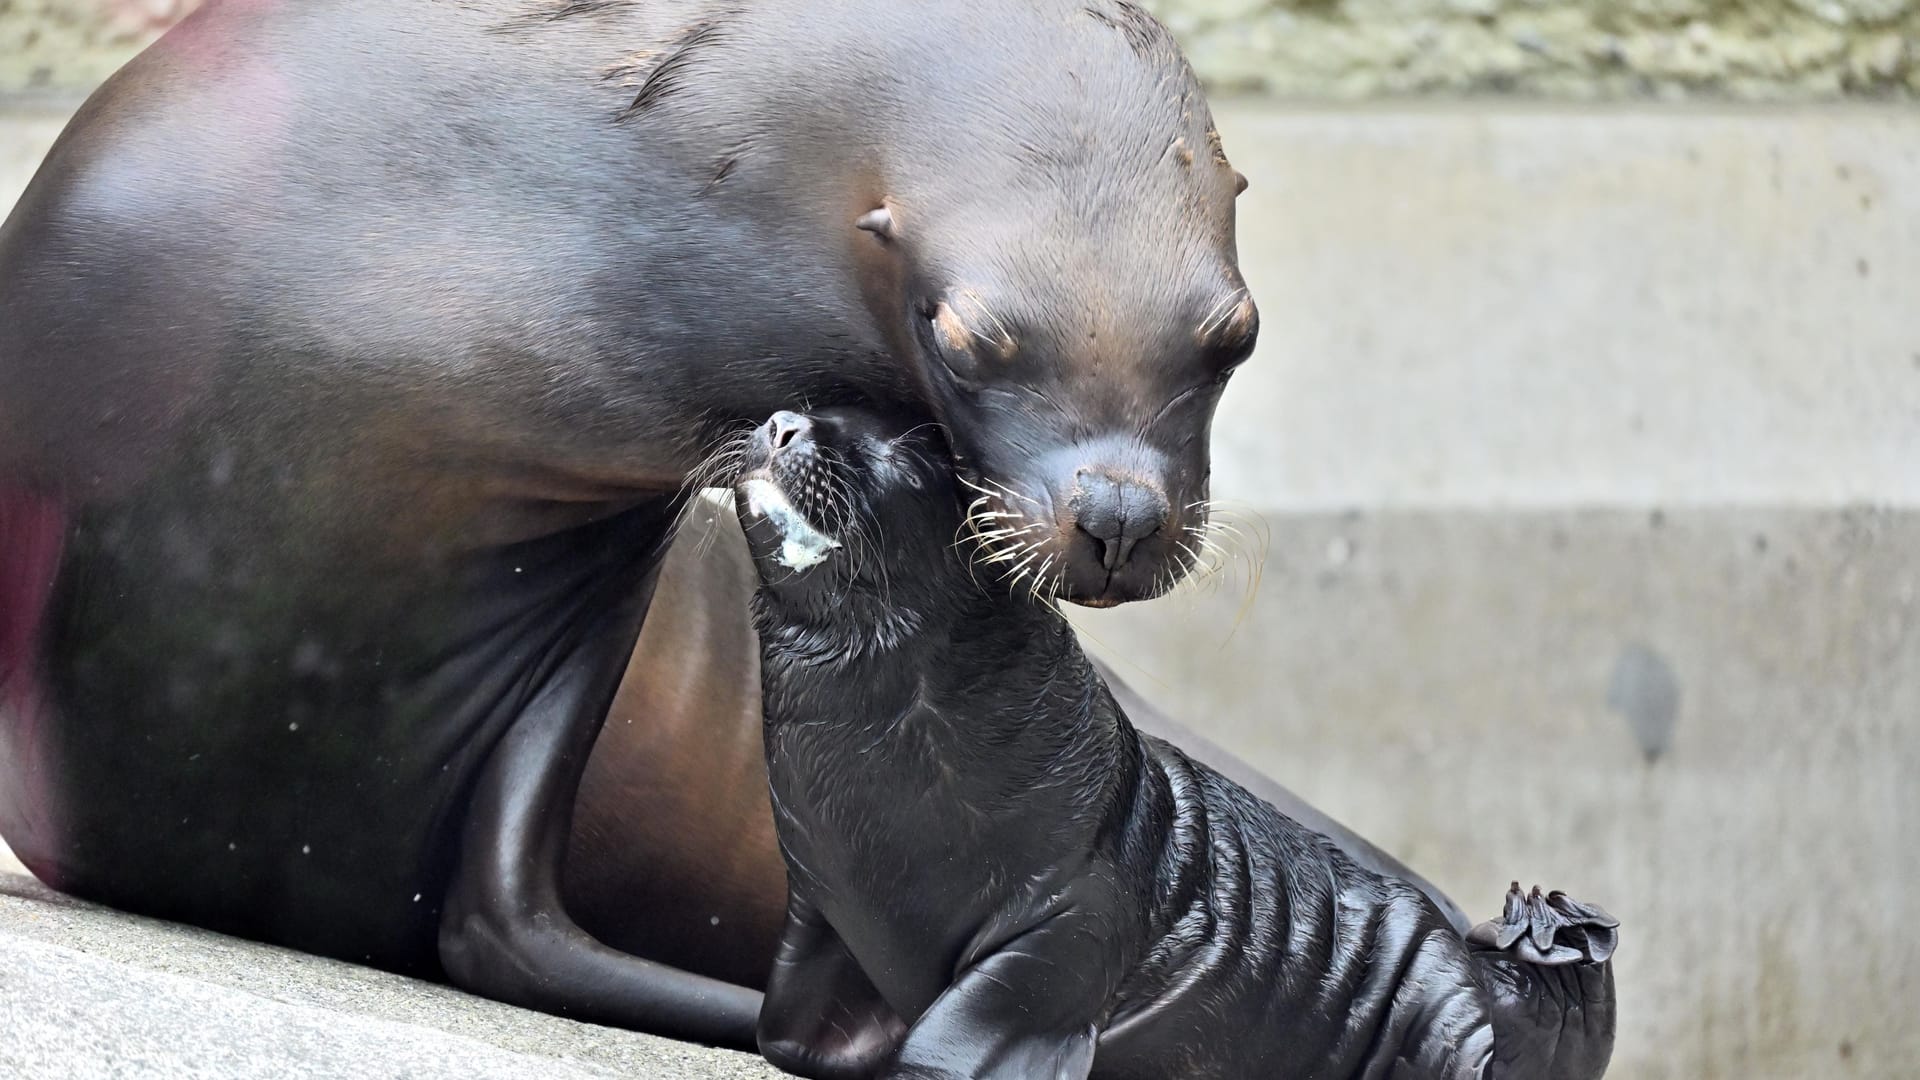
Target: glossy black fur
x=353 y=357
x=992 y=874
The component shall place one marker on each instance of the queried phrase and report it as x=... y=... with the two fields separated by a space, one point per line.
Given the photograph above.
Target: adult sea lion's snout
x=1116 y=512
x=1113 y=529
x=1098 y=522
x=1081 y=430
x=1118 y=507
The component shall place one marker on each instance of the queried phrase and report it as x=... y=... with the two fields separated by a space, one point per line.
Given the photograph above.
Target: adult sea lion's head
x=1054 y=257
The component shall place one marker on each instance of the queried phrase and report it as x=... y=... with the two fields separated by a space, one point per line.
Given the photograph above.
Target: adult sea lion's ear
x=1239 y=182
x=878 y=222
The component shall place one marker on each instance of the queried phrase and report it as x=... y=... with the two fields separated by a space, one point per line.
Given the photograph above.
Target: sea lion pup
x=992 y=874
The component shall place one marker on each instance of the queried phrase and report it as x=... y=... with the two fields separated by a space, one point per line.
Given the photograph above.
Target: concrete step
x=86 y=992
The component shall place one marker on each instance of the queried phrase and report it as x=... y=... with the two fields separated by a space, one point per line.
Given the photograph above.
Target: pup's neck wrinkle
x=1011 y=668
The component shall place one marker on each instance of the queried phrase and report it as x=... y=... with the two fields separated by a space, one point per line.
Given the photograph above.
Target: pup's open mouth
x=802 y=547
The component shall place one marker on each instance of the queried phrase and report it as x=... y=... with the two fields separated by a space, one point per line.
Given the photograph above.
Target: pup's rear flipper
x=1548 y=964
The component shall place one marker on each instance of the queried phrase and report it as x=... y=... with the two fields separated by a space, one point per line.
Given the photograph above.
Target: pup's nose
x=783 y=428
x=1117 y=513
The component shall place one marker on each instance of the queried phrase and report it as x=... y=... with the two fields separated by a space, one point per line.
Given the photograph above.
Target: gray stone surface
x=86 y=992
x=1768 y=50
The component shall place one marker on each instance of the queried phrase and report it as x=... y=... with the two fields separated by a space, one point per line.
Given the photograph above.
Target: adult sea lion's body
x=353 y=356
x=993 y=874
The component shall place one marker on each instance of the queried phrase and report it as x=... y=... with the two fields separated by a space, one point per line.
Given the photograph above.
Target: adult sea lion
x=353 y=358
x=993 y=875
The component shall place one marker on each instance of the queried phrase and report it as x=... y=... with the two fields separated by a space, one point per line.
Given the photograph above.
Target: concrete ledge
x=88 y=992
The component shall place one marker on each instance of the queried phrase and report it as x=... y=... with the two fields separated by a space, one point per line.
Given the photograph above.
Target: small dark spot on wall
x=1644 y=690
x=1557 y=539
x=1657 y=519
x=1846 y=1049
x=1862 y=266
x=1843 y=172
x=1760 y=544
x=1866 y=202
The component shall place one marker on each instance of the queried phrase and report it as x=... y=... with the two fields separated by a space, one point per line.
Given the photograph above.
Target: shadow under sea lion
x=992 y=874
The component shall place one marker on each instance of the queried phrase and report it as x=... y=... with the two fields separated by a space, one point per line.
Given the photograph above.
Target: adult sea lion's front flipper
x=506 y=932
x=1548 y=965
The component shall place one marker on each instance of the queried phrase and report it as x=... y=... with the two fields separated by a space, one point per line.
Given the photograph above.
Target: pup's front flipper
x=822 y=1017
x=1548 y=965
x=1025 y=1012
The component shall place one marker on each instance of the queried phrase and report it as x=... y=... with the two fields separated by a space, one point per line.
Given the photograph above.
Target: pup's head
x=849 y=517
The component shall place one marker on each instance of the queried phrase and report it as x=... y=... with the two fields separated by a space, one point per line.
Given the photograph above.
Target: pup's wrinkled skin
x=992 y=874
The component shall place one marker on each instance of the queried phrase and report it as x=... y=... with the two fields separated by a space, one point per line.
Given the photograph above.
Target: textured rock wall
x=1779 y=50
x=1569 y=49
x=65 y=47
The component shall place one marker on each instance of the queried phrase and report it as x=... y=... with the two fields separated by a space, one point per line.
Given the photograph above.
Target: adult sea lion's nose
x=1117 y=512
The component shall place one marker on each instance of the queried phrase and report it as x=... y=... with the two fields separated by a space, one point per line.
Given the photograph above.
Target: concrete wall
x=1588 y=445
x=1327 y=49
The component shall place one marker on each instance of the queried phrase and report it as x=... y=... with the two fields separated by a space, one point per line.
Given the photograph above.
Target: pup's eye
x=913 y=481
